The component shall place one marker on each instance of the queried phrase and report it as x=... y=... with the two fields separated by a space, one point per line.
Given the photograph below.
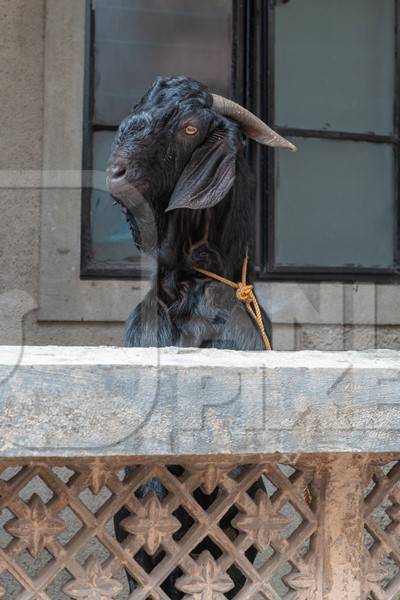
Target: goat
x=177 y=168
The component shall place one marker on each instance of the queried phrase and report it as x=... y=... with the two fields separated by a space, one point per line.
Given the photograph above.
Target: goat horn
x=251 y=125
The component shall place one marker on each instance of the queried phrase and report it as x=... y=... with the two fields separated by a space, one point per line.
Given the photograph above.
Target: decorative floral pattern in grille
x=204 y=531
x=382 y=532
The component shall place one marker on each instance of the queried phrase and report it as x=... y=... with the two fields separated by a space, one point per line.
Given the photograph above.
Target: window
x=322 y=73
x=131 y=42
x=334 y=204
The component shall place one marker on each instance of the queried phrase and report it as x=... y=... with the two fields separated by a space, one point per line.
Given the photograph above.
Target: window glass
x=136 y=40
x=111 y=236
x=334 y=65
x=335 y=205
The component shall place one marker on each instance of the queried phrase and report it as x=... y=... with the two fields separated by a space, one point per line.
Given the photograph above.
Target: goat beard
x=131 y=199
x=134 y=203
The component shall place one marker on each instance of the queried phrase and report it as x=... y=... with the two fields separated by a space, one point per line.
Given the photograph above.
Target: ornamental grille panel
x=195 y=530
x=200 y=530
x=382 y=532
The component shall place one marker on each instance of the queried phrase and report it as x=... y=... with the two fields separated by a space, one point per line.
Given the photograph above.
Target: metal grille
x=200 y=530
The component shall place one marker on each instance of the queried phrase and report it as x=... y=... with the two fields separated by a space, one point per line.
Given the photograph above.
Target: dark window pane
x=334 y=62
x=111 y=236
x=335 y=205
x=137 y=40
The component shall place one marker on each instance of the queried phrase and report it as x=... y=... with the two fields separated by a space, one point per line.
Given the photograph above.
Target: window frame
x=252 y=57
x=63 y=296
x=269 y=270
x=92 y=268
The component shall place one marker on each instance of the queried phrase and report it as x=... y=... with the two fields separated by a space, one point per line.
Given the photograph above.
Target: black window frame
x=269 y=270
x=90 y=267
x=252 y=85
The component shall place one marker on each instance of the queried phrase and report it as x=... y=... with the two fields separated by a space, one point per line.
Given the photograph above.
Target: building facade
x=46 y=297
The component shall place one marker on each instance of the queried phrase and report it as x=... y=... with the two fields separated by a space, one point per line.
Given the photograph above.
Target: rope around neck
x=244 y=293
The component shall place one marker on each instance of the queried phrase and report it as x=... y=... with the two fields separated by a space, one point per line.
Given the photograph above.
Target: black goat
x=177 y=167
x=178 y=170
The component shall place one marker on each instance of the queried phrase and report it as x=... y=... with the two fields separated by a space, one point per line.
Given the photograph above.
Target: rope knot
x=243 y=292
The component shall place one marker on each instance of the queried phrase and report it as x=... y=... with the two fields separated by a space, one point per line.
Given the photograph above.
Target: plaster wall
x=22 y=56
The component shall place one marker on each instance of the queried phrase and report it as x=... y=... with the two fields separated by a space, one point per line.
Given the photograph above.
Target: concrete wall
x=31 y=69
x=22 y=43
x=62 y=402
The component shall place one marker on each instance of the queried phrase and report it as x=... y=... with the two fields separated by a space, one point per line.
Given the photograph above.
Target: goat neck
x=216 y=238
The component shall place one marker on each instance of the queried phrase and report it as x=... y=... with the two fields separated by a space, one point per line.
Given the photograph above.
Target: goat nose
x=117 y=169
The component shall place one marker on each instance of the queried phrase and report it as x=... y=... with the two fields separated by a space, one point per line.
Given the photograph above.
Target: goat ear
x=208 y=176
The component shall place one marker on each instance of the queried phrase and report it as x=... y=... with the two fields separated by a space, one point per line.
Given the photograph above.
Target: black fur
x=189 y=202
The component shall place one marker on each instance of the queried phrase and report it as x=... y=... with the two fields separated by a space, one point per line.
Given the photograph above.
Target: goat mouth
x=126 y=194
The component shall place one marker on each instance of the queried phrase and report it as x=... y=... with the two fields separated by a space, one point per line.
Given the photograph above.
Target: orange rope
x=244 y=293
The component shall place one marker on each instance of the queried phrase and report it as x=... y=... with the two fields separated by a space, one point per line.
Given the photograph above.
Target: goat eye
x=191 y=130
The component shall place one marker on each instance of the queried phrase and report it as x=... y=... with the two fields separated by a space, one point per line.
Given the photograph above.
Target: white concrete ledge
x=63 y=401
